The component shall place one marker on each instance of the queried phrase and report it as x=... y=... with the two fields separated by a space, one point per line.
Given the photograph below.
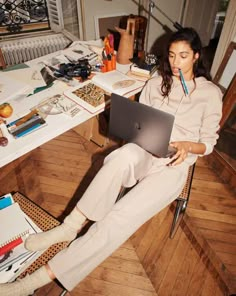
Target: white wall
x=92 y=8
x=172 y=9
x=104 y=8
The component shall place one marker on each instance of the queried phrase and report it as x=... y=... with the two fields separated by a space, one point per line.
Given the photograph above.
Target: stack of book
x=142 y=73
x=141 y=70
x=16 y=225
x=144 y=70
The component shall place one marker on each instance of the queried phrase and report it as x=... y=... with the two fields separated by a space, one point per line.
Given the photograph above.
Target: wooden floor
x=200 y=260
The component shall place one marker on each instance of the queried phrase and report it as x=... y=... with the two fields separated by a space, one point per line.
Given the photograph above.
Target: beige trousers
x=158 y=186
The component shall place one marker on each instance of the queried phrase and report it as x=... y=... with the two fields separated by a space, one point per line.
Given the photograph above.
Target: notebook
x=143 y=125
x=14 y=224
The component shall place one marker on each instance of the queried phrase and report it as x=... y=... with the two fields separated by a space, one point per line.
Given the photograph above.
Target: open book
x=91 y=95
x=117 y=82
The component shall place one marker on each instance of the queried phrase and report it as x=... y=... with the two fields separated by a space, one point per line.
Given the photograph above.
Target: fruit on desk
x=6 y=110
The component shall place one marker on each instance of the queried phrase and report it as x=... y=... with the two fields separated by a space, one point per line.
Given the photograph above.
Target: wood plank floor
x=66 y=165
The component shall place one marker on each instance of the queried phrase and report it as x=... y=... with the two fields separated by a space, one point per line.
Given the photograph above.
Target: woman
x=196 y=104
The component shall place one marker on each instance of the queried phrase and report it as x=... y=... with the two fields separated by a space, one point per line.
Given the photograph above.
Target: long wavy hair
x=190 y=36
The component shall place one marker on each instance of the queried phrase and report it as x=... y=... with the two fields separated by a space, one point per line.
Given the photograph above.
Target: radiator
x=23 y=50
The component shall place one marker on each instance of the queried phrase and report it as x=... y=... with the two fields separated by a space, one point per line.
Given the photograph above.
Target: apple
x=6 y=110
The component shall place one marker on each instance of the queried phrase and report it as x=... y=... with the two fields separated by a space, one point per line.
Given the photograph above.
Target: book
x=137 y=77
x=14 y=262
x=88 y=95
x=144 y=70
x=6 y=200
x=14 y=222
x=10 y=246
x=117 y=82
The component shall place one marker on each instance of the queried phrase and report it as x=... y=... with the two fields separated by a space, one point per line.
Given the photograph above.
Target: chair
x=181 y=200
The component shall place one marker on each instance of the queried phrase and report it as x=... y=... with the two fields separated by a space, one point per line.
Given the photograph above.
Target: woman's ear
x=196 y=56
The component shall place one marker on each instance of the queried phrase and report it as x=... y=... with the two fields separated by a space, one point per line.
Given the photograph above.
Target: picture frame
x=106 y=21
x=226 y=70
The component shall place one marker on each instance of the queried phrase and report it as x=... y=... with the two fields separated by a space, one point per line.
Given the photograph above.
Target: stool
x=45 y=221
x=182 y=201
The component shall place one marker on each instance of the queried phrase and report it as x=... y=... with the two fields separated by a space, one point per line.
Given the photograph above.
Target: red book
x=10 y=246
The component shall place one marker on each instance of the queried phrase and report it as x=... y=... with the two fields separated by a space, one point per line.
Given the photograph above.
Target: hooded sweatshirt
x=197 y=115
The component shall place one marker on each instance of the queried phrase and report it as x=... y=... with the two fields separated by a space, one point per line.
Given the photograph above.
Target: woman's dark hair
x=190 y=36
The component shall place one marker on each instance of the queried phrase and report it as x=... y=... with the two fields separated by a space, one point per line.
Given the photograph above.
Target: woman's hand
x=183 y=148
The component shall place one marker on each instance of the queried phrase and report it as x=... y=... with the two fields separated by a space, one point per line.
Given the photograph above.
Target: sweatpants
x=158 y=186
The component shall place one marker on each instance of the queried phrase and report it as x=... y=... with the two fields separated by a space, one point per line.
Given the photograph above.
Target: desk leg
x=20 y=175
x=94 y=129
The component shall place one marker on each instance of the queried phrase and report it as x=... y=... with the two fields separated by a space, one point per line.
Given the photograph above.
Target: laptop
x=143 y=125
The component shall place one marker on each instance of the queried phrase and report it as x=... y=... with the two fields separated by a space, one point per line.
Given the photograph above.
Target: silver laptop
x=143 y=125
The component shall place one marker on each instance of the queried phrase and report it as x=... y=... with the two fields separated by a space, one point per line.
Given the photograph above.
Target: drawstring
x=180 y=102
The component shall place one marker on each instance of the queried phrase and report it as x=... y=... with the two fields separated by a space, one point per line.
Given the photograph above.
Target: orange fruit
x=6 y=110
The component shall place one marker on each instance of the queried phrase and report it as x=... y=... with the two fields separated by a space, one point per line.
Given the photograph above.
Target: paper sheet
x=30 y=76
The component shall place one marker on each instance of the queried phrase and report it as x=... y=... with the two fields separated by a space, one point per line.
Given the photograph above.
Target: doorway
x=210 y=50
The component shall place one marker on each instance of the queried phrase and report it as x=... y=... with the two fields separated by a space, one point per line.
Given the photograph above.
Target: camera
x=81 y=69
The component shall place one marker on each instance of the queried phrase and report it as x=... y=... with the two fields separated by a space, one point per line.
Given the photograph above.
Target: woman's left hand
x=183 y=148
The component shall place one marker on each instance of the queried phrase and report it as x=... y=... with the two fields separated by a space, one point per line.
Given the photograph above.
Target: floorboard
x=149 y=263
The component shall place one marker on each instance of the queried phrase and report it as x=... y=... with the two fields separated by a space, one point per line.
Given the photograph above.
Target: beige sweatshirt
x=197 y=115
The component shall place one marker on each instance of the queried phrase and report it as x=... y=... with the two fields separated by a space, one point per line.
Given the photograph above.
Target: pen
x=183 y=82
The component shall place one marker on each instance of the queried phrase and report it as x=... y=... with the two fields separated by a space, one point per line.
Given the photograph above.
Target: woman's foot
x=67 y=231
x=27 y=285
x=43 y=240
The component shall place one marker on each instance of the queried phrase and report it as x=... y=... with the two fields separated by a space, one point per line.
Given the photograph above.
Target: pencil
x=183 y=82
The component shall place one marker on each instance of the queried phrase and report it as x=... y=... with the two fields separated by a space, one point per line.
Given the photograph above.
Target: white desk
x=56 y=125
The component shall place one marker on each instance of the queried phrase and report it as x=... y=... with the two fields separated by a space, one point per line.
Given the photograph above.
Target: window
x=21 y=16
x=24 y=16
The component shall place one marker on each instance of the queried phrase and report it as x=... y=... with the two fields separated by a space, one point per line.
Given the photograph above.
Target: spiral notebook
x=13 y=224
